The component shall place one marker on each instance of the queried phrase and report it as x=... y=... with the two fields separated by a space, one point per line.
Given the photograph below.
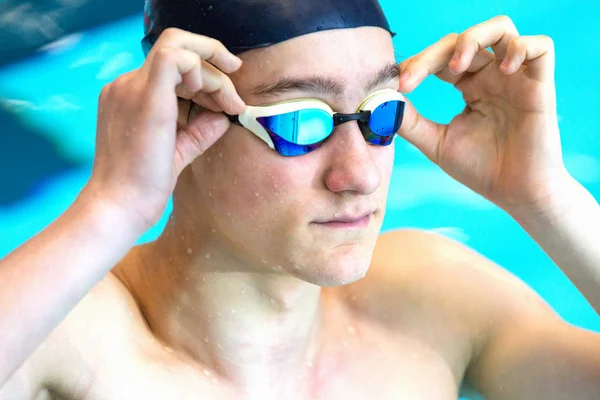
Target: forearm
x=567 y=228
x=46 y=277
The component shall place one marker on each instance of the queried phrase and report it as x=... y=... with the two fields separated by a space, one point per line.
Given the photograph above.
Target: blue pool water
x=55 y=96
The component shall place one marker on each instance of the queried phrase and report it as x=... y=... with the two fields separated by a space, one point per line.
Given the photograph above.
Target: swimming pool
x=48 y=145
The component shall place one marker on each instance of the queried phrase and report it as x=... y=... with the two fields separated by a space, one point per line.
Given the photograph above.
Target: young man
x=254 y=289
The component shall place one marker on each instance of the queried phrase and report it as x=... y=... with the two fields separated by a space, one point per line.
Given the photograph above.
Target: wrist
x=106 y=212
x=553 y=200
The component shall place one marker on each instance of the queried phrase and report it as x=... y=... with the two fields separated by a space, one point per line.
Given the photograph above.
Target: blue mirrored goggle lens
x=298 y=132
x=386 y=118
x=383 y=124
x=301 y=127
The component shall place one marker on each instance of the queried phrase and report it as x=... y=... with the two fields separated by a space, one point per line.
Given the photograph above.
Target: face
x=281 y=212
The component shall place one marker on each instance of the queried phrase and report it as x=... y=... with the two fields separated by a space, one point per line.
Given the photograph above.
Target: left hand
x=505 y=145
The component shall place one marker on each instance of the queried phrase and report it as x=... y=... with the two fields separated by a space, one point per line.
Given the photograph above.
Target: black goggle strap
x=234 y=119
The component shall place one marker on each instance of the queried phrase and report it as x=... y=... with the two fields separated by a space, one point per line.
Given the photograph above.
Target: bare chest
x=359 y=368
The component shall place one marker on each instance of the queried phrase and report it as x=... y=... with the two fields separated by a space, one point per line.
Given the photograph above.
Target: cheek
x=252 y=185
x=385 y=162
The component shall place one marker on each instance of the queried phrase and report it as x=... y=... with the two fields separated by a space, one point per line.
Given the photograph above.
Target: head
x=269 y=210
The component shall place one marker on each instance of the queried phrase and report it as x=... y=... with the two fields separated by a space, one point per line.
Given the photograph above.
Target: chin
x=340 y=268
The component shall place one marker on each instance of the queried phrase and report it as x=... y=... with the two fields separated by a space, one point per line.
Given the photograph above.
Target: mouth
x=348 y=221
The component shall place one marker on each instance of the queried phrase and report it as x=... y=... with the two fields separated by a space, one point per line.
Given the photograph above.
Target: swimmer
x=271 y=122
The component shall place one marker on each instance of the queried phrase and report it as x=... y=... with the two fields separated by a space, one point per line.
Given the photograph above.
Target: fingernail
x=404 y=76
x=456 y=56
x=240 y=104
x=505 y=62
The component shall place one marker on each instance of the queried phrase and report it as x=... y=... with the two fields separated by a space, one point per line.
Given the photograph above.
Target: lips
x=347 y=218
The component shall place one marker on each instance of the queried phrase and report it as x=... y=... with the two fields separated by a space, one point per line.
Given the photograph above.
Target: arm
x=567 y=228
x=140 y=152
x=538 y=357
x=521 y=348
x=47 y=276
x=515 y=347
x=527 y=352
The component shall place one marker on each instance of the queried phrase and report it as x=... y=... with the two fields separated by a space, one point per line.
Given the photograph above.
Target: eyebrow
x=323 y=84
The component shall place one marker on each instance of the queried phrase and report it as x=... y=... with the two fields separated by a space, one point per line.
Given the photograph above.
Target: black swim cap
x=249 y=24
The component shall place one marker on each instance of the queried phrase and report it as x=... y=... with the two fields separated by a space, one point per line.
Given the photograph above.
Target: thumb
x=202 y=131
x=423 y=133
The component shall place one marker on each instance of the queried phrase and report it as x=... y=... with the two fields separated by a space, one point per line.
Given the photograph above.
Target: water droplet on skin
x=207 y=256
x=220 y=154
x=209 y=194
x=207 y=159
x=206 y=372
x=203 y=279
x=214 y=380
x=235 y=181
x=206 y=340
x=233 y=310
x=213 y=230
x=243 y=291
x=309 y=364
x=272 y=301
x=168 y=349
x=351 y=330
x=189 y=250
x=182 y=237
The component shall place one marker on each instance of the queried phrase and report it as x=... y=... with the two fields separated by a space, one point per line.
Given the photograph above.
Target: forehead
x=351 y=56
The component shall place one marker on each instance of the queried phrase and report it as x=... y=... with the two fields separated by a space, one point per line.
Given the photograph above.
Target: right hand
x=140 y=148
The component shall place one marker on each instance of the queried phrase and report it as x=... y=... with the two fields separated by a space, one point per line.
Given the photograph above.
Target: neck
x=249 y=323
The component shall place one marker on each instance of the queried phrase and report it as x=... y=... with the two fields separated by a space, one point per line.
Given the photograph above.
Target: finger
x=207 y=48
x=537 y=52
x=437 y=63
x=221 y=90
x=495 y=33
x=199 y=83
x=424 y=134
x=482 y=59
x=205 y=100
x=430 y=61
x=171 y=67
x=198 y=136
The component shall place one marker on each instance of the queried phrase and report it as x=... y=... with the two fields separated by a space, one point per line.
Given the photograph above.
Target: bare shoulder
x=422 y=279
x=97 y=333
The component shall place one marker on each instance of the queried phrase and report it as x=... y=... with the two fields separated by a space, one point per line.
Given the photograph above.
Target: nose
x=351 y=165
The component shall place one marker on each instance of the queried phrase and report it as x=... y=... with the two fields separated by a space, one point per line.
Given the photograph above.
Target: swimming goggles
x=297 y=127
